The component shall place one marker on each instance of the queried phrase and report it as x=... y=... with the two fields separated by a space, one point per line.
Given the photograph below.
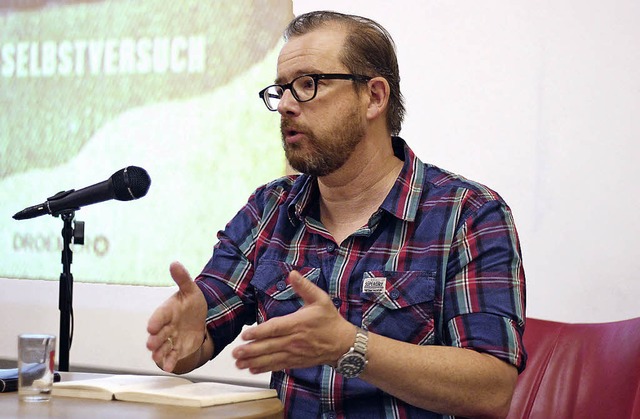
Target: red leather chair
x=579 y=371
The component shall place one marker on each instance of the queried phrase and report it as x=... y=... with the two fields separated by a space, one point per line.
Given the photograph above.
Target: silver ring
x=170 y=343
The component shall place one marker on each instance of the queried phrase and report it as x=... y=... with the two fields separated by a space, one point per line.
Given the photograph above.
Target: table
x=68 y=407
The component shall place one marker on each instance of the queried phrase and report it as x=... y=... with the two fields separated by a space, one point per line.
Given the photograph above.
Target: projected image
x=90 y=87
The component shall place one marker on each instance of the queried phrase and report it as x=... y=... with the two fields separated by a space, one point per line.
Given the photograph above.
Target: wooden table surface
x=68 y=407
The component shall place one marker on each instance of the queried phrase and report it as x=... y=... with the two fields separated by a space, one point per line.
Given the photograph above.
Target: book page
x=196 y=394
x=105 y=388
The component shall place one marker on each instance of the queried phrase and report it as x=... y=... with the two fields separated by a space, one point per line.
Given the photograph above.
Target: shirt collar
x=303 y=191
x=404 y=198
x=402 y=201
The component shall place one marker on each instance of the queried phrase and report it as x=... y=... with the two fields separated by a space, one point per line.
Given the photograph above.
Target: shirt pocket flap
x=395 y=290
x=270 y=277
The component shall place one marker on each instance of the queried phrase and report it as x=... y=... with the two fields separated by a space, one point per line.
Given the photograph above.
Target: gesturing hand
x=314 y=335
x=176 y=327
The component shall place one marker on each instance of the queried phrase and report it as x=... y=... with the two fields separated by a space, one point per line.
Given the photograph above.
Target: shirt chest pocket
x=400 y=305
x=274 y=294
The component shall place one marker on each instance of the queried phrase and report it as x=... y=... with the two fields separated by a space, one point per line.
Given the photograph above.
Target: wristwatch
x=352 y=363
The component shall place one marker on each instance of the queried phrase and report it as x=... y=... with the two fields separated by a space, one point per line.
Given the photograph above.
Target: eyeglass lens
x=303 y=89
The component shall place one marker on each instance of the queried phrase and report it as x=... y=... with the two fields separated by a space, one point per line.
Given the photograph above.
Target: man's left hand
x=314 y=335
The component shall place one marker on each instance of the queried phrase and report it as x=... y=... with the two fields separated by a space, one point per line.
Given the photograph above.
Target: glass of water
x=36 y=357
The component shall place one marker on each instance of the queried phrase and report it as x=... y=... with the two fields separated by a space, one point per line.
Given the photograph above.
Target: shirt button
x=331 y=247
x=281 y=285
x=337 y=301
x=394 y=294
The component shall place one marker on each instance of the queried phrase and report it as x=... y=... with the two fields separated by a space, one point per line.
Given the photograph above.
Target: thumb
x=181 y=276
x=307 y=290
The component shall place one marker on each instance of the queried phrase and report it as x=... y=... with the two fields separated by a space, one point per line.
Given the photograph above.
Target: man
x=382 y=287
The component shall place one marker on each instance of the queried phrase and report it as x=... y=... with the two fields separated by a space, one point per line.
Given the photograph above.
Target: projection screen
x=90 y=87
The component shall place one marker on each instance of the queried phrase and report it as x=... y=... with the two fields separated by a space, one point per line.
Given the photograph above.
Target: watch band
x=362 y=338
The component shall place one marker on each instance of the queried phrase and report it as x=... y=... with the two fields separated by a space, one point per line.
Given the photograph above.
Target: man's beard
x=322 y=155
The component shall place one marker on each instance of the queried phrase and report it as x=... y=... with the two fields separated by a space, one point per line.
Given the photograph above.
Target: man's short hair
x=368 y=49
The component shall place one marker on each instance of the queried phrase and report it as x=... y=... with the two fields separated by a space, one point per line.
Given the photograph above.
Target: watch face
x=351 y=365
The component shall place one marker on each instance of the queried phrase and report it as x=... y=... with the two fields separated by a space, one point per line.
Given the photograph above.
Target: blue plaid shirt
x=443 y=250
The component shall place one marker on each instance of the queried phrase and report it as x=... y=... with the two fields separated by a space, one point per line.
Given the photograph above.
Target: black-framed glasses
x=303 y=88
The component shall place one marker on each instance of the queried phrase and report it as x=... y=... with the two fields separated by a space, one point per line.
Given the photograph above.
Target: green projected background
x=89 y=87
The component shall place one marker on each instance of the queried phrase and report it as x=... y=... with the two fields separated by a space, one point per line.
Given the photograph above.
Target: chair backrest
x=579 y=371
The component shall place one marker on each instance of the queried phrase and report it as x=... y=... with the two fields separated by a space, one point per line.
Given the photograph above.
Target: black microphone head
x=130 y=183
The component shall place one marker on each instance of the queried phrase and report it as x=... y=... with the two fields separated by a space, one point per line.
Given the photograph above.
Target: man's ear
x=379 y=92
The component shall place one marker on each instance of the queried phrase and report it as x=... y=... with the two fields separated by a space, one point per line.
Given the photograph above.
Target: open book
x=159 y=389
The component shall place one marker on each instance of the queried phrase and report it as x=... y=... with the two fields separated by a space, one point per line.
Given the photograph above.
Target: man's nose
x=288 y=104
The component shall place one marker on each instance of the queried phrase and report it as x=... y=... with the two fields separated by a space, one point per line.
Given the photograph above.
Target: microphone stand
x=65 y=301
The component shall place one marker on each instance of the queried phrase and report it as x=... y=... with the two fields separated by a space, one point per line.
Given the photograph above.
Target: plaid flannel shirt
x=438 y=264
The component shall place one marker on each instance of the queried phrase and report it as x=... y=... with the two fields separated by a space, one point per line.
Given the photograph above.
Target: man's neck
x=349 y=196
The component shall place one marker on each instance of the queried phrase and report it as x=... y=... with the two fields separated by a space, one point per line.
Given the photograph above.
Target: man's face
x=319 y=136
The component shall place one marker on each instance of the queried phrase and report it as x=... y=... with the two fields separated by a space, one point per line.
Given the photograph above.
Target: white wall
x=110 y=326
x=538 y=100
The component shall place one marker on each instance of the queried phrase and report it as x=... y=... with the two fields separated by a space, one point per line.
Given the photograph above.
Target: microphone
x=124 y=185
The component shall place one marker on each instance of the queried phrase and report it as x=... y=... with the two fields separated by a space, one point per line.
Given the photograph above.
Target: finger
x=170 y=360
x=272 y=362
x=159 y=319
x=163 y=315
x=159 y=354
x=154 y=342
x=260 y=347
x=263 y=363
x=277 y=326
x=181 y=276
x=259 y=353
x=166 y=355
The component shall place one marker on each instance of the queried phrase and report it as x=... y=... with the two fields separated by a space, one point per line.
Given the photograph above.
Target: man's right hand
x=177 y=327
